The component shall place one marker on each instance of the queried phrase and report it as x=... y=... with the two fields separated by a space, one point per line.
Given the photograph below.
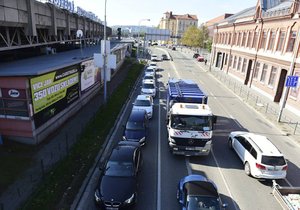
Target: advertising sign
x=90 y=76
x=53 y=92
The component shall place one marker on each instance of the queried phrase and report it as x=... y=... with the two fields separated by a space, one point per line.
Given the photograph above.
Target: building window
x=239 y=64
x=292 y=40
x=236 y=39
x=239 y=39
x=250 y=38
x=234 y=62
x=244 y=65
x=226 y=57
x=256 y=70
x=229 y=39
x=272 y=76
x=272 y=40
x=294 y=91
x=281 y=40
x=244 y=39
x=263 y=40
x=255 y=40
x=230 y=60
x=264 y=73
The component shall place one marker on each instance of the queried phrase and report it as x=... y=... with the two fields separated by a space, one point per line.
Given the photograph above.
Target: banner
x=90 y=75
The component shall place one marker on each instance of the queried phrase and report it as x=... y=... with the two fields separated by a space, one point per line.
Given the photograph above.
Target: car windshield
x=186 y=122
x=142 y=103
x=273 y=160
x=149 y=70
x=135 y=125
x=148 y=77
x=153 y=64
x=148 y=86
x=119 y=168
x=195 y=202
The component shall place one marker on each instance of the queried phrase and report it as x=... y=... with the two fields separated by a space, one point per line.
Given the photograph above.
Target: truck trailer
x=190 y=121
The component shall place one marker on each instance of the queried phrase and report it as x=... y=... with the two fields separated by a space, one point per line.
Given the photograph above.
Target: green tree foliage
x=197 y=37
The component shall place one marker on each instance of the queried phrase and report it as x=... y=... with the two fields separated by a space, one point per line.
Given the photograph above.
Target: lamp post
x=137 y=49
x=104 y=54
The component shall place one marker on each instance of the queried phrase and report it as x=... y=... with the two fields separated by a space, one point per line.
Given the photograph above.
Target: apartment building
x=260 y=47
x=177 y=24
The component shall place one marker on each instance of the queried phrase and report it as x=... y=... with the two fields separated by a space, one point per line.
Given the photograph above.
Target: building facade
x=177 y=24
x=210 y=24
x=260 y=47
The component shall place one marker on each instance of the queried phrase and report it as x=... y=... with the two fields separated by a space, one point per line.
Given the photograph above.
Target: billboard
x=89 y=76
x=157 y=34
x=53 y=92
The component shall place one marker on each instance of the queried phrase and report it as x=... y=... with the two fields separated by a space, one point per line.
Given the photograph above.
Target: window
x=239 y=64
x=239 y=39
x=263 y=40
x=256 y=70
x=244 y=65
x=250 y=38
x=234 y=62
x=280 y=40
x=253 y=153
x=255 y=40
x=272 y=76
x=263 y=73
x=229 y=39
x=292 y=40
x=244 y=39
x=230 y=60
x=236 y=39
x=272 y=40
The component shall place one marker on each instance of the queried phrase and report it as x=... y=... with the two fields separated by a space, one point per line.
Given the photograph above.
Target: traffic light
x=119 y=33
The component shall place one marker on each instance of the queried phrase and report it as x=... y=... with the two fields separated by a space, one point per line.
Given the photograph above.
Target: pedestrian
x=205 y=61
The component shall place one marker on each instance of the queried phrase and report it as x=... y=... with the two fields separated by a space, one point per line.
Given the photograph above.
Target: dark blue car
x=196 y=192
x=136 y=126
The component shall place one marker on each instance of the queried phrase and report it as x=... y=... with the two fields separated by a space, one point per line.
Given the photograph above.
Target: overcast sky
x=130 y=12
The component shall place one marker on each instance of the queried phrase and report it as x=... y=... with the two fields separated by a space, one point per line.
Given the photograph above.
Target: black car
x=164 y=57
x=136 y=127
x=173 y=48
x=196 y=192
x=196 y=55
x=117 y=188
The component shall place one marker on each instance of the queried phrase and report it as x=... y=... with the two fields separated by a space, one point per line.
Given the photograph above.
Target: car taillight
x=285 y=168
x=260 y=166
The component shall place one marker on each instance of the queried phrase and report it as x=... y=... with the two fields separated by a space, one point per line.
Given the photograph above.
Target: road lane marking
x=158 y=187
x=223 y=178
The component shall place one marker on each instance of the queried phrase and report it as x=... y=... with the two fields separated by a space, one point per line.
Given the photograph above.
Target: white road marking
x=158 y=187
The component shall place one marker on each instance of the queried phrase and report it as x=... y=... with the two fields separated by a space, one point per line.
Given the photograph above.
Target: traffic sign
x=291 y=81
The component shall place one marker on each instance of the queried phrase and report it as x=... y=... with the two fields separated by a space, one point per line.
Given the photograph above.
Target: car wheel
x=230 y=143
x=247 y=169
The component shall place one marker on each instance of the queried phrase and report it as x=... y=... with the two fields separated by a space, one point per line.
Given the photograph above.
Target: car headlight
x=142 y=139
x=97 y=196
x=130 y=200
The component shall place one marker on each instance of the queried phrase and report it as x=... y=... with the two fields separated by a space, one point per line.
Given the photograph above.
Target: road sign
x=291 y=81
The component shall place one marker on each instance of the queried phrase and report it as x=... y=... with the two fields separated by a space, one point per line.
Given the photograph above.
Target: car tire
x=230 y=143
x=247 y=169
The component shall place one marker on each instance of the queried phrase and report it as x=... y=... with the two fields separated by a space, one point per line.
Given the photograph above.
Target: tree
x=191 y=37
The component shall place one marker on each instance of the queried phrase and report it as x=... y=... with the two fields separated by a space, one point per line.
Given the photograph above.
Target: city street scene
x=159 y=105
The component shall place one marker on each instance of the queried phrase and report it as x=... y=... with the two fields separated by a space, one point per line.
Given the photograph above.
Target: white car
x=149 y=76
x=144 y=102
x=150 y=70
x=148 y=87
x=153 y=65
x=154 y=57
x=260 y=156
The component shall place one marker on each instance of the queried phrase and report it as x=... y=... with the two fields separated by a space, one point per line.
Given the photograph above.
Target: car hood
x=147 y=108
x=117 y=189
x=135 y=134
x=146 y=90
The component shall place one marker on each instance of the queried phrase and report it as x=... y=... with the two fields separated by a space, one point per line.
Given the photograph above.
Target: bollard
x=267 y=106
x=296 y=125
x=247 y=97
x=256 y=100
x=241 y=90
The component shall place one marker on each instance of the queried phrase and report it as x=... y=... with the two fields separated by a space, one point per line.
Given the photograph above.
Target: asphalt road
x=161 y=170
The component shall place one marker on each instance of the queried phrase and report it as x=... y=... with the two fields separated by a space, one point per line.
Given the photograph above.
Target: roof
x=199 y=185
x=47 y=63
x=137 y=115
x=267 y=147
x=242 y=14
x=191 y=109
x=122 y=152
x=148 y=81
x=143 y=97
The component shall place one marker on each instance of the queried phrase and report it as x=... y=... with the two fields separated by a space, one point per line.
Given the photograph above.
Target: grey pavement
x=55 y=148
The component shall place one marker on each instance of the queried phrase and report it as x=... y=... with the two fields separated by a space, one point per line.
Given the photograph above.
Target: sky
x=131 y=12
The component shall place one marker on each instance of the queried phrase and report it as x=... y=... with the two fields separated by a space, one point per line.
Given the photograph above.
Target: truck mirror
x=214 y=118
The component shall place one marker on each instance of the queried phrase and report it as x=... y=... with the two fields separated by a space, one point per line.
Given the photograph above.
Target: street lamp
x=104 y=54
x=137 y=49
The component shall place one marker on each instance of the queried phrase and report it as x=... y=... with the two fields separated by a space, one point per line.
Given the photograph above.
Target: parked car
x=154 y=57
x=196 y=192
x=200 y=58
x=144 y=102
x=149 y=88
x=164 y=57
x=150 y=70
x=148 y=76
x=117 y=187
x=153 y=65
x=260 y=157
x=196 y=55
x=173 y=48
x=136 y=127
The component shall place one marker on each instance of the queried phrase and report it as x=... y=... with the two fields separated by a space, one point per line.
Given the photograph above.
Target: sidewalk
x=55 y=148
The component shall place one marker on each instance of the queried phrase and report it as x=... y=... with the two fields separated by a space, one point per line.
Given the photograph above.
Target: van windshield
x=196 y=123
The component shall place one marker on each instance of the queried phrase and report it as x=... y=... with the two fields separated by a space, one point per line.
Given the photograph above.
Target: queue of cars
x=261 y=159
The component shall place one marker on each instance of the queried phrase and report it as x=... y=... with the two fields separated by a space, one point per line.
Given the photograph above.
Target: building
x=177 y=24
x=260 y=47
x=210 y=24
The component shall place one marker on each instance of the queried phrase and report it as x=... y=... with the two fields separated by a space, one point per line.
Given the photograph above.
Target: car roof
x=122 y=153
x=148 y=81
x=262 y=143
x=152 y=63
x=143 y=97
x=199 y=185
x=150 y=68
x=137 y=115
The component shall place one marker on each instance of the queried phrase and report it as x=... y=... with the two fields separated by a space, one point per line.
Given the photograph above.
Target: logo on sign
x=14 y=93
